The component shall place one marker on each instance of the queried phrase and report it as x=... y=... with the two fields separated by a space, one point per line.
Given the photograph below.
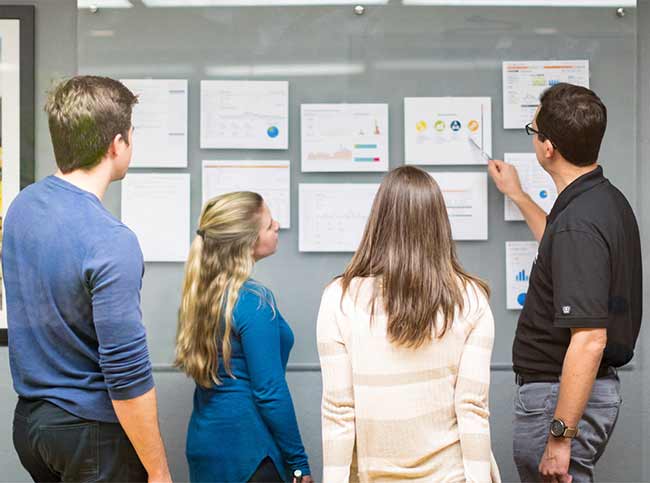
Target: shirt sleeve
x=581 y=279
x=113 y=272
x=472 y=393
x=259 y=330
x=337 y=408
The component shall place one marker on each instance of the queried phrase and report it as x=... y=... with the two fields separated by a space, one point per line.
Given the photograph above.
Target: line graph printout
x=466 y=201
x=333 y=216
x=271 y=179
x=520 y=257
x=525 y=81
x=244 y=114
x=437 y=130
x=344 y=137
x=534 y=180
x=160 y=123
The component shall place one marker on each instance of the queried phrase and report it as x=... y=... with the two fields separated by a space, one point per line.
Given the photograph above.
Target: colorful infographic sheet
x=333 y=216
x=437 y=130
x=157 y=208
x=524 y=82
x=466 y=200
x=534 y=180
x=271 y=179
x=344 y=137
x=160 y=123
x=520 y=257
x=244 y=114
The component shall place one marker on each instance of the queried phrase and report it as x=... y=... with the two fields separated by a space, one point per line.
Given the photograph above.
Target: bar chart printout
x=520 y=257
x=525 y=81
x=333 y=216
x=344 y=137
x=271 y=179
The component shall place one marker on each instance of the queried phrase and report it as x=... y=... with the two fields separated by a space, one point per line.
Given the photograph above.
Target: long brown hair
x=219 y=263
x=407 y=246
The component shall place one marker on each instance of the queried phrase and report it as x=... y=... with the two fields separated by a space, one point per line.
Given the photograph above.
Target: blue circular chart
x=273 y=132
x=455 y=125
x=521 y=298
x=543 y=194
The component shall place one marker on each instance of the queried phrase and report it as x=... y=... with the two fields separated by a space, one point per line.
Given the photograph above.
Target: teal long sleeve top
x=235 y=425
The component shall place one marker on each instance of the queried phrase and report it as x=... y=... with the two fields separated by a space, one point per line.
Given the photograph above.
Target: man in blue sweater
x=78 y=352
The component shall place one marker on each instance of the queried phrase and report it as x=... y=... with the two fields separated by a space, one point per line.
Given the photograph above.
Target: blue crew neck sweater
x=73 y=275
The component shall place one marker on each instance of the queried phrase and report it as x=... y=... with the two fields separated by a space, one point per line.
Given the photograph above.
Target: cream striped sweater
x=409 y=415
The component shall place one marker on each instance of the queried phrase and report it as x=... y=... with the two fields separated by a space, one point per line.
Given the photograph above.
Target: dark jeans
x=534 y=409
x=54 y=445
x=266 y=472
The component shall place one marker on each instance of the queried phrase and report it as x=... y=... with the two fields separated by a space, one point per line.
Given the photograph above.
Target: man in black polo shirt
x=582 y=313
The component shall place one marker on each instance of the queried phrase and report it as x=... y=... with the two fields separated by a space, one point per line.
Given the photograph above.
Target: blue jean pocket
x=605 y=393
x=534 y=398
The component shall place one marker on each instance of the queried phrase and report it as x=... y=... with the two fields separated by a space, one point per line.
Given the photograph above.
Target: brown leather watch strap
x=570 y=432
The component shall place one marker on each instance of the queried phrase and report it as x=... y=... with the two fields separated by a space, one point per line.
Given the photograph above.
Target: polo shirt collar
x=576 y=188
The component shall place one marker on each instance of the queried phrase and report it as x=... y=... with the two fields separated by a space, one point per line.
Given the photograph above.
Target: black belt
x=521 y=379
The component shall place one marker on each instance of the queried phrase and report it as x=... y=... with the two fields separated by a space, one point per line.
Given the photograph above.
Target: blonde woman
x=405 y=339
x=235 y=344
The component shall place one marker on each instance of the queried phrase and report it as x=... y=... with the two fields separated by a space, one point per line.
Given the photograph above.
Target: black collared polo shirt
x=587 y=275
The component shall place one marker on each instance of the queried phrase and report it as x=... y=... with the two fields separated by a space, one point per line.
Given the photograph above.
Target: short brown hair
x=407 y=245
x=85 y=113
x=574 y=119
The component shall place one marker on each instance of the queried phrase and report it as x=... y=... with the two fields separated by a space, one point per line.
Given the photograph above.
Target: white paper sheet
x=467 y=205
x=344 y=137
x=524 y=82
x=333 y=216
x=271 y=179
x=244 y=114
x=157 y=208
x=160 y=122
x=437 y=129
x=520 y=257
x=534 y=180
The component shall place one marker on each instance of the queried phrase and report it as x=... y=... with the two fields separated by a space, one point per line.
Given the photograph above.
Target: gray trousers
x=534 y=409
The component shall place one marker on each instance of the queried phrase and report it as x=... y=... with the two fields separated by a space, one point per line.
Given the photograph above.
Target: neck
x=565 y=173
x=95 y=180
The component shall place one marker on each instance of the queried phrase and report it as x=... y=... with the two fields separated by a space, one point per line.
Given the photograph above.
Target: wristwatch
x=560 y=430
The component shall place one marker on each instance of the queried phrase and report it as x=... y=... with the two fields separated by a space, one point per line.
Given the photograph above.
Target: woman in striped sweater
x=405 y=338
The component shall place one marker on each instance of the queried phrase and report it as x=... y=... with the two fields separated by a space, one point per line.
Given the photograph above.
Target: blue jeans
x=534 y=409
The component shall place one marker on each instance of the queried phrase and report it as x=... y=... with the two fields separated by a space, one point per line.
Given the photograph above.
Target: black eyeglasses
x=530 y=130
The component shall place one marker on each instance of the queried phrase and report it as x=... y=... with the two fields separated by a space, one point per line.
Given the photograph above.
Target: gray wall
x=644 y=215
x=143 y=46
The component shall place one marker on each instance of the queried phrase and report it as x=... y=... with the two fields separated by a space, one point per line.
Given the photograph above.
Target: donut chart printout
x=437 y=130
x=520 y=257
x=244 y=114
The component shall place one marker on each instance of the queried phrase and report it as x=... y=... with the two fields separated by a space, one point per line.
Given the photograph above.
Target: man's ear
x=549 y=150
x=116 y=145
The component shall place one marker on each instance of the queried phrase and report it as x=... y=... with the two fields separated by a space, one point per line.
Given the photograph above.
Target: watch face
x=557 y=428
